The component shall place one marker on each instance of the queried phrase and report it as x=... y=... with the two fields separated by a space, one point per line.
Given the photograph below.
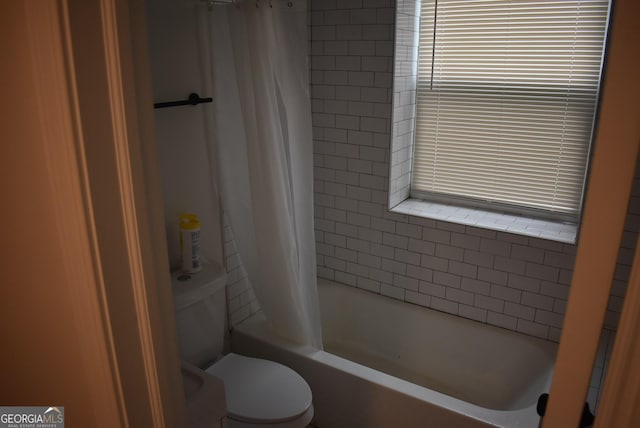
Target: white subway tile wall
x=492 y=276
x=600 y=368
x=241 y=300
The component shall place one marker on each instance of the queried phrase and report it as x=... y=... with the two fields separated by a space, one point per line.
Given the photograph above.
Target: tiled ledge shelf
x=546 y=229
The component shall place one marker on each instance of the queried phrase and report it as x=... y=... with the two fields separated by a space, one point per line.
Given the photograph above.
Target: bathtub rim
x=257 y=328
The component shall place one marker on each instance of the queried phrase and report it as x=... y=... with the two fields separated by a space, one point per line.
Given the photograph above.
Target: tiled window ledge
x=546 y=229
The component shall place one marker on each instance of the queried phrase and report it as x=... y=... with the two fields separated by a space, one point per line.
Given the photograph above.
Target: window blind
x=506 y=98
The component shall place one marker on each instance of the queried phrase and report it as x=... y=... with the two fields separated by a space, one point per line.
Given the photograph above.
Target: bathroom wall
x=178 y=38
x=405 y=80
x=188 y=183
x=516 y=282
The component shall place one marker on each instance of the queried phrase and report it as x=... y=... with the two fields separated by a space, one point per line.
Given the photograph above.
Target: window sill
x=545 y=229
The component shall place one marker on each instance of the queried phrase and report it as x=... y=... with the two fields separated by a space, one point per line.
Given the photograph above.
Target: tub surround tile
x=479 y=288
x=489 y=303
x=538 y=301
x=490 y=275
x=241 y=299
x=532 y=329
x=505 y=294
x=554 y=334
x=519 y=311
x=444 y=305
x=417 y=298
x=473 y=313
x=432 y=289
x=392 y=291
x=502 y=320
x=549 y=318
x=368 y=284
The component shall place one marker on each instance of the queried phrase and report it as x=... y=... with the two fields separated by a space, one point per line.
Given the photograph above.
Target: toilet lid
x=261 y=391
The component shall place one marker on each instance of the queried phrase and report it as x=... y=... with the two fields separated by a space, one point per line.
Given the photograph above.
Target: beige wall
x=177 y=40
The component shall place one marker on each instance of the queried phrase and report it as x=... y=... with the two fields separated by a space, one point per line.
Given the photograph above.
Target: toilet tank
x=200 y=304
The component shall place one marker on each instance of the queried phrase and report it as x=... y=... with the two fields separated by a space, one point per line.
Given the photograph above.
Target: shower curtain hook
x=270 y=4
x=290 y=4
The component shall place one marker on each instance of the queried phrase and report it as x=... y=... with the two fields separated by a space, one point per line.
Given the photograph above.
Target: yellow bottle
x=190 y=243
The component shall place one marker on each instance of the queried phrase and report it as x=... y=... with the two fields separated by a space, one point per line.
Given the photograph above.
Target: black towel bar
x=194 y=99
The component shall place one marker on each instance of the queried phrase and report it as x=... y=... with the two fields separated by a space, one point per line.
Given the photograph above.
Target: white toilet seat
x=263 y=392
x=301 y=422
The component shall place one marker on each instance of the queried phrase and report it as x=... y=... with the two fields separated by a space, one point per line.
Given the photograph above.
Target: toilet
x=258 y=393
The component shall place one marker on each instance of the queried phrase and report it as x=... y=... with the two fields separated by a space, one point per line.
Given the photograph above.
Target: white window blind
x=506 y=99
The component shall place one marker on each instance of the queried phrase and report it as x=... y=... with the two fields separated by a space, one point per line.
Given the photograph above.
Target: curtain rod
x=194 y=99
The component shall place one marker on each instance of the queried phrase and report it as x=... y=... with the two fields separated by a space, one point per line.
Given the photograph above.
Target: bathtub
x=388 y=363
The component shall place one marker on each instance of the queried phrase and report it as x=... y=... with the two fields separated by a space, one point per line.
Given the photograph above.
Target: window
x=505 y=102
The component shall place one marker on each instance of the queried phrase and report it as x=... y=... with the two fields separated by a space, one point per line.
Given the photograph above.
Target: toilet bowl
x=262 y=392
x=258 y=392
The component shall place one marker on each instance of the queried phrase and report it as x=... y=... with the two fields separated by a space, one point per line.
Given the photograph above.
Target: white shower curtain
x=265 y=156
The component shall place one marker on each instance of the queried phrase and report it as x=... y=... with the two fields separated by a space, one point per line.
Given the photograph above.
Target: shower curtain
x=265 y=156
